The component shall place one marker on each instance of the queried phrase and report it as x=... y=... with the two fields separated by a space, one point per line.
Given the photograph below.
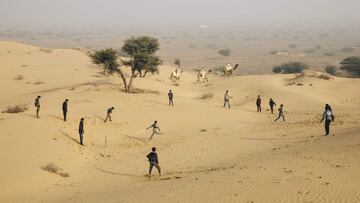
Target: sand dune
x=207 y=153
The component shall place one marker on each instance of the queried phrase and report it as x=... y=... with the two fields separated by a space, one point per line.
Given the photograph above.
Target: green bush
x=348 y=49
x=290 y=68
x=351 y=65
x=331 y=69
x=225 y=52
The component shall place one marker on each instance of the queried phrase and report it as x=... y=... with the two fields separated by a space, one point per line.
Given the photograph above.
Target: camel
x=228 y=69
x=202 y=75
x=176 y=74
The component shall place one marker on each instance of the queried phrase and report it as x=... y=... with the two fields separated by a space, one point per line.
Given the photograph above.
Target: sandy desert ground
x=207 y=153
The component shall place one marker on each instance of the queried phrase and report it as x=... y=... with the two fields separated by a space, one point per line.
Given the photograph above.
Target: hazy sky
x=125 y=12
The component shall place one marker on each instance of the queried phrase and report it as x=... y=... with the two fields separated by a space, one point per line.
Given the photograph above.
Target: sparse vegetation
x=309 y=51
x=289 y=68
x=348 y=49
x=351 y=65
x=19 y=77
x=292 y=46
x=329 y=54
x=225 y=52
x=207 y=96
x=48 y=51
x=38 y=83
x=16 y=109
x=54 y=169
x=331 y=69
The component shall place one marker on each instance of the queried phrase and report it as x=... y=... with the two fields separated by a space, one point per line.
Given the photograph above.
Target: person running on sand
x=227 y=99
x=37 y=105
x=155 y=129
x=258 y=103
x=65 y=108
x=154 y=161
x=108 y=114
x=281 y=113
x=272 y=104
x=171 y=96
x=328 y=116
x=81 y=130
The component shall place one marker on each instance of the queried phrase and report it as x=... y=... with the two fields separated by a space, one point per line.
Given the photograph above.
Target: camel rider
x=228 y=68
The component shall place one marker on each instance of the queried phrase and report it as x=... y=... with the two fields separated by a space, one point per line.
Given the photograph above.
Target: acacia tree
x=143 y=59
x=108 y=59
x=142 y=52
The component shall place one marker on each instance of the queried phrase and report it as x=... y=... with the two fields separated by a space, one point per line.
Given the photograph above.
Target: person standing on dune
x=171 y=96
x=328 y=116
x=37 y=105
x=108 y=114
x=281 y=113
x=227 y=99
x=81 y=130
x=154 y=161
x=272 y=104
x=65 y=108
x=155 y=129
x=258 y=103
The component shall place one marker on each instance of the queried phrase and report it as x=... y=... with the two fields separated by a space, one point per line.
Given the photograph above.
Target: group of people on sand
x=327 y=116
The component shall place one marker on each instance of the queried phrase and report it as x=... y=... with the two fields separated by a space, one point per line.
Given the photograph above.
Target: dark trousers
x=280 y=115
x=152 y=164
x=171 y=102
x=258 y=107
x=327 y=126
x=272 y=109
x=64 y=114
x=227 y=102
x=37 y=112
x=81 y=134
x=108 y=116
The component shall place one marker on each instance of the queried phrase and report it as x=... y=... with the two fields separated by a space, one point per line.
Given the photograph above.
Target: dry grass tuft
x=19 y=77
x=207 y=96
x=144 y=91
x=48 y=51
x=16 y=109
x=38 y=83
x=52 y=168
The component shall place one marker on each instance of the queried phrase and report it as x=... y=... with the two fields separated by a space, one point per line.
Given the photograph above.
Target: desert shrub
x=144 y=91
x=225 y=52
x=292 y=46
x=329 y=54
x=51 y=168
x=289 y=68
x=177 y=62
x=318 y=47
x=48 y=51
x=330 y=69
x=16 y=109
x=207 y=96
x=19 y=77
x=273 y=52
x=351 y=65
x=309 y=51
x=38 y=83
x=348 y=49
